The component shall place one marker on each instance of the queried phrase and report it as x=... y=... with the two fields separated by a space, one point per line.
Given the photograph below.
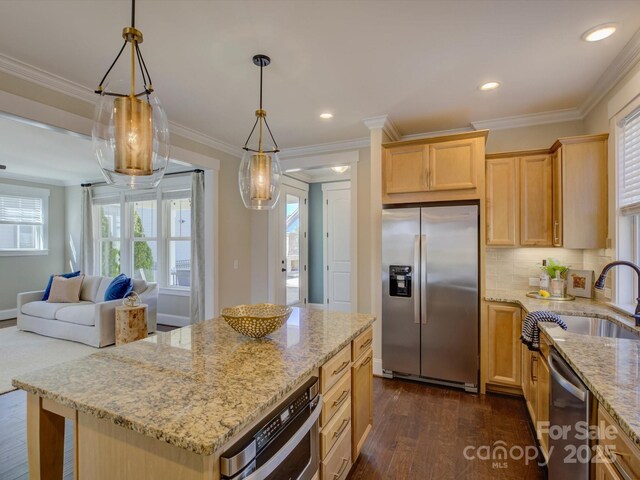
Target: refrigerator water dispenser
x=400 y=280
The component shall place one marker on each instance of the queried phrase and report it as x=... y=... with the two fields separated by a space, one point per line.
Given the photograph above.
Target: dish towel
x=530 y=330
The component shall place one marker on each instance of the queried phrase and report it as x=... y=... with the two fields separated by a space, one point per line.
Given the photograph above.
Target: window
x=628 y=205
x=23 y=220
x=145 y=235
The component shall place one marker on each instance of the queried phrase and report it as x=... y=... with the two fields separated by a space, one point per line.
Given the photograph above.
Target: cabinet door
x=557 y=198
x=535 y=200
x=504 y=327
x=543 y=401
x=604 y=469
x=362 y=397
x=406 y=169
x=453 y=165
x=532 y=387
x=502 y=201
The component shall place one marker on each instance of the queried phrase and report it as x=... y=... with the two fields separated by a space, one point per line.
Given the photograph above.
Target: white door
x=292 y=237
x=337 y=222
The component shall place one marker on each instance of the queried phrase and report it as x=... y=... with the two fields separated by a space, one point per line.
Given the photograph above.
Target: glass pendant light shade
x=131 y=139
x=259 y=179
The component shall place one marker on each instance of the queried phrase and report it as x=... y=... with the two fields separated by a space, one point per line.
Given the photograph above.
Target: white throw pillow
x=65 y=290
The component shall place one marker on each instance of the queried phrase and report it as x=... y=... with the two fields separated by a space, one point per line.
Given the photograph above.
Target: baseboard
x=377 y=367
x=7 y=314
x=173 y=320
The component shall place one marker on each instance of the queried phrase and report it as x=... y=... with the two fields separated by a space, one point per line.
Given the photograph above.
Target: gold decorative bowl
x=258 y=320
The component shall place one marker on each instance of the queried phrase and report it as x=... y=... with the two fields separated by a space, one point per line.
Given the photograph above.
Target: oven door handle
x=288 y=447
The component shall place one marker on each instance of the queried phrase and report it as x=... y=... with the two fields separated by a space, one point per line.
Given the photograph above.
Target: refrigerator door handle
x=423 y=278
x=416 y=269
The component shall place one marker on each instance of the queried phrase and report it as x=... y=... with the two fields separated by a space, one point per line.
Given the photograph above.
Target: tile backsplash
x=511 y=268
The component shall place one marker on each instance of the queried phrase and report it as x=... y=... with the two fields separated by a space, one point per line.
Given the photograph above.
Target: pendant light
x=259 y=175
x=130 y=130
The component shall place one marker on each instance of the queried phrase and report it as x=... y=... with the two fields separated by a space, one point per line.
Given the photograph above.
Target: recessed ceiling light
x=490 y=86
x=599 y=33
x=326 y=115
x=340 y=169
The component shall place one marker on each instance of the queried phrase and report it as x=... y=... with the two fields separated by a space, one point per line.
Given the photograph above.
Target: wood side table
x=131 y=323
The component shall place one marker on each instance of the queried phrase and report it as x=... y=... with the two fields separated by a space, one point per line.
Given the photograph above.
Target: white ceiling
x=318 y=175
x=420 y=62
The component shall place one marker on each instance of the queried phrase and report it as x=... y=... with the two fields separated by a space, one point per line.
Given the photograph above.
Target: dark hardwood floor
x=8 y=323
x=420 y=433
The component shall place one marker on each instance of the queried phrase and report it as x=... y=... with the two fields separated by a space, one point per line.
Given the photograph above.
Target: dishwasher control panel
x=400 y=280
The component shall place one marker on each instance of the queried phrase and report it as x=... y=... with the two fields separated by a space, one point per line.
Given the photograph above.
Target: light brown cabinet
x=434 y=169
x=549 y=197
x=530 y=381
x=406 y=169
x=504 y=325
x=580 y=210
x=535 y=200
x=362 y=391
x=502 y=201
x=536 y=382
x=620 y=456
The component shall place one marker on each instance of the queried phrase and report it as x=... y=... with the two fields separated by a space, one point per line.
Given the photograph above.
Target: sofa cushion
x=79 y=314
x=90 y=286
x=65 y=290
x=65 y=275
x=139 y=285
x=104 y=284
x=44 y=309
x=119 y=287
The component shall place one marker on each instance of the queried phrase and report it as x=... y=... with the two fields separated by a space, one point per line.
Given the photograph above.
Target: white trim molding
x=173 y=320
x=321 y=148
x=383 y=122
x=8 y=314
x=528 y=120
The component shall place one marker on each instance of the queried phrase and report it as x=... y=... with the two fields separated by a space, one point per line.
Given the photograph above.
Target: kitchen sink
x=597 y=327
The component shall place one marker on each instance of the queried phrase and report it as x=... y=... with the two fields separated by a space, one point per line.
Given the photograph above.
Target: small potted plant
x=558 y=277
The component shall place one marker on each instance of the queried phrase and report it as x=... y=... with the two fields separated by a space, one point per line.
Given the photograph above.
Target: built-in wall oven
x=284 y=446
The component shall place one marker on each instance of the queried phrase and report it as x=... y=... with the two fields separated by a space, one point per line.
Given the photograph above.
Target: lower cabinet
x=618 y=456
x=504 y=325
x=535 y=386
x=362 y=388
x=346 y=384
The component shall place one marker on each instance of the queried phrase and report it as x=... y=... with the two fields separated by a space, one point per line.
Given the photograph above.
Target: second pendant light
x=259 y=175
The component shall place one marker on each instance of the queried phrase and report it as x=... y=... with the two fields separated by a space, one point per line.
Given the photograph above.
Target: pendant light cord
x=133 y=13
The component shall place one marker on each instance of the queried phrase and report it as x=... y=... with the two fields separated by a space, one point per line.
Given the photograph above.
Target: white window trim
x=627 y=229
x=23 y=191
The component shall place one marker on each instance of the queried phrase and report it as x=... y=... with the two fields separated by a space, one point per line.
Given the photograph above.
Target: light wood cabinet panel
x=504 y=327
x=332 y=431
x=406 y=169
x=453 y=165
x=535 y=200
x=362 y=398
x=338 y=462
x=543 y=402
x=335 y=398
x=580 y=192
x=502 y=201
x=604 y=469
x=556 y=160
x=627 y=454
x=333 y=370
x=530 y=362
x=361 y=344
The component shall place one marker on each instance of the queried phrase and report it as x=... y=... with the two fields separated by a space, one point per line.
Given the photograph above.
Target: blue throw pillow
x=47 y=290
x=119 y=287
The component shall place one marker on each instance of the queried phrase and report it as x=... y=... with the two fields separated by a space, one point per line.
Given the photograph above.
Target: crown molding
x=628 y=57
x=439 y=133
x=59 y=84
x=353 y=144
x=5 y=175
x=530 y=119
x=383 y=122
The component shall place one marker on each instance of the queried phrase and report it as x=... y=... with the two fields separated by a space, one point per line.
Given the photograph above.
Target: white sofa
x=92 y=321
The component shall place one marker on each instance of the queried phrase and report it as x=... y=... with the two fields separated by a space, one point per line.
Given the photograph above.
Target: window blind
x=629 y=165
x=21 y=210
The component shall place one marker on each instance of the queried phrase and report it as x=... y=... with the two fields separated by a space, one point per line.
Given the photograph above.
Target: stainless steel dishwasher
x=569 y=407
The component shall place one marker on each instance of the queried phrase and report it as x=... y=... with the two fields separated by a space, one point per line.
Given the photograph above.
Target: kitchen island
x=167 y=406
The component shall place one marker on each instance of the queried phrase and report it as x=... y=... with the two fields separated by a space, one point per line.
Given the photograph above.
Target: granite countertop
x=610 y=367
x=195 y=387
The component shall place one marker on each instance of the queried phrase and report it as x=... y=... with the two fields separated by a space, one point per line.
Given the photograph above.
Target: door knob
x=284 y=270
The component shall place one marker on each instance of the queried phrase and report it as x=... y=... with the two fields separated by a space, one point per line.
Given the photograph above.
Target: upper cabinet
x=580 y=192
x=549 y=197
x=434 y=169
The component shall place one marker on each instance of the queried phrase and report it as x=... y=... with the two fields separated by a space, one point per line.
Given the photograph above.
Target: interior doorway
x=337 y=245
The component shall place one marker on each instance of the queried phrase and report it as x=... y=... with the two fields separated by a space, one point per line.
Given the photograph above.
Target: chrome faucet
x=603 y=276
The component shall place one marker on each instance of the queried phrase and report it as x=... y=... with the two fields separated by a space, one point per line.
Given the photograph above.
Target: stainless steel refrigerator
x=430 y=294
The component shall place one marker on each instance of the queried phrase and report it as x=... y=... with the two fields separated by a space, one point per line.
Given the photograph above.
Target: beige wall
x=28 y=273
x=532 y=137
